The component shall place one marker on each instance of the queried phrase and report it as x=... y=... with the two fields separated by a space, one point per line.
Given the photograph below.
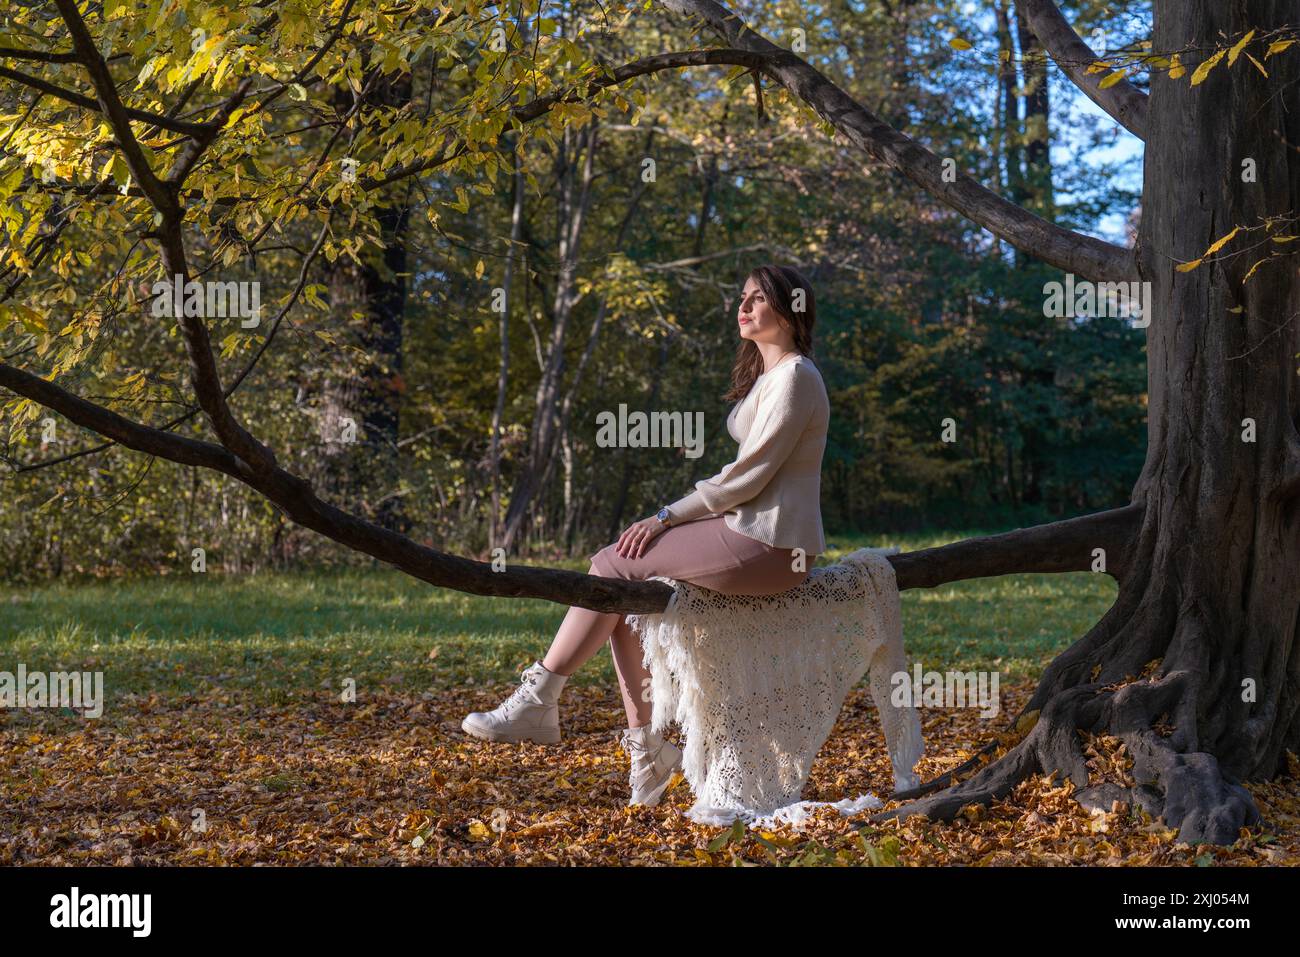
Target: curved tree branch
x=1125 y=103
x=204 y=373
x=297 y=500
x=1058 y=547
x=111 y=425
x=1088 y=257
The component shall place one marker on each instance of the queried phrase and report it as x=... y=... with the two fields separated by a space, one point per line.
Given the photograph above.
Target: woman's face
x=757 y=319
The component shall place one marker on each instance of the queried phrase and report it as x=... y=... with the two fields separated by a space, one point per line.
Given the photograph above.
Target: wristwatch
x=663 y=517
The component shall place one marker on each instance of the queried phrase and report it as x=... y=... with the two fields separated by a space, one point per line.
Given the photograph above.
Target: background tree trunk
x=575 y=197
x=1036 y=111
x=1010 y=111
x=503 y=373
x=371 y=295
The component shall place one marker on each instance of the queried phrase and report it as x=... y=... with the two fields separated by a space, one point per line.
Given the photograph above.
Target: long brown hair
x=778 y=284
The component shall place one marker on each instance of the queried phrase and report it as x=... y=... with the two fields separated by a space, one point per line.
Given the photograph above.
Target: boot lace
x=643 y=759
x=522 y=695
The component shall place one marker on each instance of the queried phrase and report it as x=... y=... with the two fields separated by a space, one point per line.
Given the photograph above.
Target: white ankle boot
x=654 y=763
x=531 y=713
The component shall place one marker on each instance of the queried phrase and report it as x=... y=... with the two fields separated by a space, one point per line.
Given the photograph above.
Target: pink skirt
x=708 y=553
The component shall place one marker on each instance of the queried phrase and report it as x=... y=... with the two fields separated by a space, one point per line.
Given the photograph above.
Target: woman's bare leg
x=581 y=635
x=633 y=677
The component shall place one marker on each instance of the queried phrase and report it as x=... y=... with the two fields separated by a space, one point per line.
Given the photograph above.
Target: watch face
x=663 y=515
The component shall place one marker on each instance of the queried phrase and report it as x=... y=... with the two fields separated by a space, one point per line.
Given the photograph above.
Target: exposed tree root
x=1185 y=787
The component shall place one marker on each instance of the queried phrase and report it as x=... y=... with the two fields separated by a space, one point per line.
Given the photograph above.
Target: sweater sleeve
x=784 y=409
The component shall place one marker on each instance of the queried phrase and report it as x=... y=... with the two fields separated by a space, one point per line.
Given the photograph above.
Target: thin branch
x=38 y=56
x=195 y=149
x=293 y=298
x=690 y=261
x=539 y=107
x=235 y=383
x=88 y=103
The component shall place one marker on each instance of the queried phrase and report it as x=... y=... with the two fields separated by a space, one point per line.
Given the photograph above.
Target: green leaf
x=735 y=833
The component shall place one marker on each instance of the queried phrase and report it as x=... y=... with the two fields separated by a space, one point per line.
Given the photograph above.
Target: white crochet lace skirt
x=756 y=684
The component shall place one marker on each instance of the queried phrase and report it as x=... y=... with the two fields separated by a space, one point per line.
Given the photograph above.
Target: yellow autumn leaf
x=957 y=43
x=1176 y=68
x=1219 y=244
x=1112 y=79
x=1254 y=267
x=1238 y=47
x=1277 y=47
x=1204 y=69
x=480 y=831
x=1188 y=267
x=1258 y=66
x=1283 y=239
x=478 y=270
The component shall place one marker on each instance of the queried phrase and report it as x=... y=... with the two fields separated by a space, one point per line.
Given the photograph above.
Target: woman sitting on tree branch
x=753 y=529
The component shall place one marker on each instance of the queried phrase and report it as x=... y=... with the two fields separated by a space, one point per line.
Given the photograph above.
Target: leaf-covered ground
x=211 y=779
x=224 y=739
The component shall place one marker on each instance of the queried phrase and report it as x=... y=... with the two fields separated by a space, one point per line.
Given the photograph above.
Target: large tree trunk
x=1196 y=667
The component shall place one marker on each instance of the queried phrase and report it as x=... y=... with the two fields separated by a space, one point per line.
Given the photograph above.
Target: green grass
x=273 y=636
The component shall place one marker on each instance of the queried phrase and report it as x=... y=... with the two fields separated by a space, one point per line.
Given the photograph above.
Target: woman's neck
x=779 y=359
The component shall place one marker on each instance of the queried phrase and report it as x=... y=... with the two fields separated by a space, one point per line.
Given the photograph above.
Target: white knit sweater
x=772 y=491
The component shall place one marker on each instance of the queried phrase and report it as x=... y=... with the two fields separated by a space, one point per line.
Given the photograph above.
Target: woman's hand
x=633 y=541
